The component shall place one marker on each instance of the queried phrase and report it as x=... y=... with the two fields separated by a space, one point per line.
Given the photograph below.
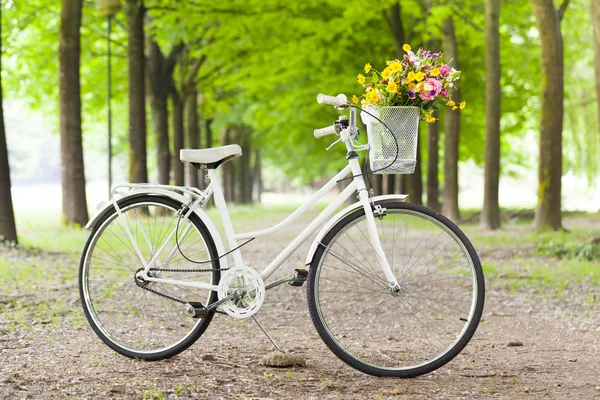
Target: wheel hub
x=250 y=288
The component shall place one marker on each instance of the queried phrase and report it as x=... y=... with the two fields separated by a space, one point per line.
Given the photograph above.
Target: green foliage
x=571 y=251
x=267 y=60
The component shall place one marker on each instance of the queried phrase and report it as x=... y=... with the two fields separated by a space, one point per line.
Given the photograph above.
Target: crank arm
x=235 y=295
x=291 y=277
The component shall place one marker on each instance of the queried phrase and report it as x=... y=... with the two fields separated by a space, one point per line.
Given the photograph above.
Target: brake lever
x=333 y=144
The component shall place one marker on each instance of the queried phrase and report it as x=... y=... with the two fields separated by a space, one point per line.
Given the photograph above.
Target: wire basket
x=404 y=125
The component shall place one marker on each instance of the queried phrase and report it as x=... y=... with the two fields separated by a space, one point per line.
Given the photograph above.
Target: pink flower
x=445 y=94
x=445 y=70
x=431 y=88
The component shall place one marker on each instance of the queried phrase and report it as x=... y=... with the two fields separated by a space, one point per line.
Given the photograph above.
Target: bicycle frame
x=215 y=189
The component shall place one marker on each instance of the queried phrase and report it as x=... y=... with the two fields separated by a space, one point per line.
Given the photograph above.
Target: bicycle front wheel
x=406 y=332
x=142 y=319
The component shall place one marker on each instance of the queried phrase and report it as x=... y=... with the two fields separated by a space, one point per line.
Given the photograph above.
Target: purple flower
x=444 y=93
x=411 y=94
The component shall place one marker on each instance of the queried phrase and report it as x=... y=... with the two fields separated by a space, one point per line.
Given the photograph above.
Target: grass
x=554 y=259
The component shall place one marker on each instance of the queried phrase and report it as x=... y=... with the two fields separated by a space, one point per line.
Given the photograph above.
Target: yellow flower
x=431 y=120
x=419 y=87
x=454 y=108
x=386 y=73
x=355 y=99
x=367 y=68
x=406 y=47
x=451 y=103
x=445 y=84
x=419 y=76
x=396 y=66
x=360 y=79
x=392 y=87
x=463 y=104
x=410 y=77
x=411 y=86
x=435 y=72
x=372 y=96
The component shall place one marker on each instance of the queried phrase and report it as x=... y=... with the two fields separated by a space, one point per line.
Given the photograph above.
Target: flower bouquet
x=404 y=92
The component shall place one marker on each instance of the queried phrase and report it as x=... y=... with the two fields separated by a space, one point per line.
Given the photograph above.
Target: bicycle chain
x=167 y=296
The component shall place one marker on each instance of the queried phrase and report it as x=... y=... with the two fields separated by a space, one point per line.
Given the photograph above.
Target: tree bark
x=138 y=171
x=490 y=215
x=596 y=25
x=159 y=92
x=451 y=131
x=74 y=206
x=8 y=229
x=192 y=139
x=227 y=170
x=178 y=128
x=548 y=211
x=257 y=176
x=394 y=20
x=414 y=181
x=433 y=156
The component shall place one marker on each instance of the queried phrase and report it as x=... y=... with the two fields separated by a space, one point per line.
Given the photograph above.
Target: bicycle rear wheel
x=129 y=315
x=402 y=333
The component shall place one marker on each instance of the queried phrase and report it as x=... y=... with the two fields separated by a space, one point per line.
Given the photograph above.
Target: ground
x=539 y=336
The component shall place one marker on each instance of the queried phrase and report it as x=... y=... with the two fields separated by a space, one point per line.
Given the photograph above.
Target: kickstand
x=265 y=332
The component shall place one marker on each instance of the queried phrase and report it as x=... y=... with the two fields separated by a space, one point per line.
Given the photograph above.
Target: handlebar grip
x=330 y=130
x=338 y=100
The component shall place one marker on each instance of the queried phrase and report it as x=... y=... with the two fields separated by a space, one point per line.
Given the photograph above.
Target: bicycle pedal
x=195 y=309
x=301 y=276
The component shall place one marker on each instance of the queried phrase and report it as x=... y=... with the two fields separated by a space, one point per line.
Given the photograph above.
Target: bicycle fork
x=365 y=200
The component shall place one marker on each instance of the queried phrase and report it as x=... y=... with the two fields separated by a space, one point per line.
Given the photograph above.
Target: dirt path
x=559 y=355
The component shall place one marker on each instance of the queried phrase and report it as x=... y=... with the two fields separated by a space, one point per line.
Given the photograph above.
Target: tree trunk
x=414 y=181
x=433 y=155
x=548 y=211
x=74 y=205
x=137 y=92
x=8 y=230
x=177 y=105
x=394 y=20
x=208 y=136
x=245 y=182
x=596 y=25
x=490 y=215
x=192 y=136
x=257 y=176
x=227 y=171
x=451 y=132
x=159 y=91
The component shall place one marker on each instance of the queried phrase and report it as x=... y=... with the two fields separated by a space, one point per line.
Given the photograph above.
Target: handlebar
x=338 y=101
x=330 y=130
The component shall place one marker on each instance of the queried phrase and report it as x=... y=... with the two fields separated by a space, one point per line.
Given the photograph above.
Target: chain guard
x=242 y=278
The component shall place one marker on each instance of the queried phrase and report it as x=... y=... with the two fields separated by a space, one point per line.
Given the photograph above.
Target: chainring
x=250 y=281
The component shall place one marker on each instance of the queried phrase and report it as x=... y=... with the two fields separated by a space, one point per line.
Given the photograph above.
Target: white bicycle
x=394 y=289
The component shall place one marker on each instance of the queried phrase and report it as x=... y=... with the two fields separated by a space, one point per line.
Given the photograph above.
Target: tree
x=548 y=211
x=8 y=230
x=433 y=135
x=160 y=75
x=192 y=137
x=74 y=205
x=596 y=26
x=138 y=171
x=180 y=89
x=490 y=215
x=451 y=131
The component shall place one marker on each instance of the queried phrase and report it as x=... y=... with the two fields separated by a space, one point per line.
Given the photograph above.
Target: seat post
x=225 y=218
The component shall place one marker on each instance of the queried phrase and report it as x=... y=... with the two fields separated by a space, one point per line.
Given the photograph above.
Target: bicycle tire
x=109 y=336
x=338 y=343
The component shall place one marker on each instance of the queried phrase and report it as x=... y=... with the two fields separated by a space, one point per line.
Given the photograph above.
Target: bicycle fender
x=212 y=229
x=337 y=217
